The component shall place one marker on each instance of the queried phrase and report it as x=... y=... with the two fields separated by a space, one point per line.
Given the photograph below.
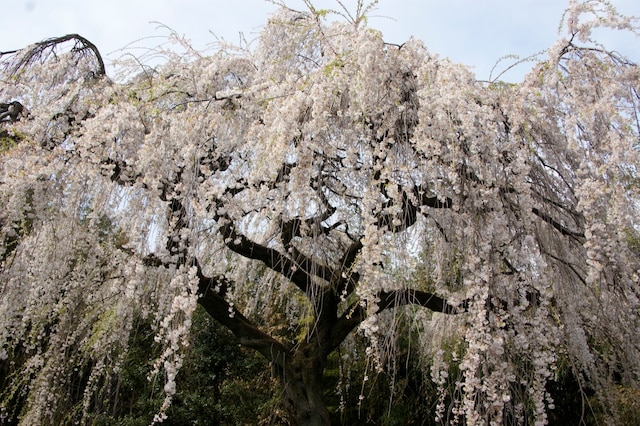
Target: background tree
x=323 y=183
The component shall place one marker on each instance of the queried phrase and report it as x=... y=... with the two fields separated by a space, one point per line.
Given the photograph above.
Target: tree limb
x=247 y=333
x=272 y=258
x=357 y=312
x=46 y=47
x=557 y=225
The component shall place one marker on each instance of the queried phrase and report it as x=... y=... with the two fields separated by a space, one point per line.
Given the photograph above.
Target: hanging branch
x=45 y=48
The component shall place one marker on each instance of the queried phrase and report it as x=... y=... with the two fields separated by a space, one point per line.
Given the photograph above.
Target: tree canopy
x=322 y=184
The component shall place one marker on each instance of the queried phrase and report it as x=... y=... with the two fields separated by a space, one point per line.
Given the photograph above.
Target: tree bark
x=300 y=369
x=302 y=382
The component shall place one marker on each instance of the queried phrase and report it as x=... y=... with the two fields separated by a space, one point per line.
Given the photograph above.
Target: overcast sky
x=474 y=32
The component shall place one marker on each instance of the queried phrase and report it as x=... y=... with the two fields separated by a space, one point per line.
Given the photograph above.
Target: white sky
x=474 y=32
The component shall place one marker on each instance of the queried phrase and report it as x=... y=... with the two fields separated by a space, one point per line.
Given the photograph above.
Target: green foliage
x=13 y=387
x=633 y=240
x=571 y=404
x=223 y=383
x=628 y=402
x=575 y=401
x=220 y=382
x=9 y=242
x=400 y=394
x=8 y=140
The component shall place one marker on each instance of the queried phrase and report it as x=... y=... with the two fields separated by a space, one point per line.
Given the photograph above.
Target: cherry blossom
x=329 y=175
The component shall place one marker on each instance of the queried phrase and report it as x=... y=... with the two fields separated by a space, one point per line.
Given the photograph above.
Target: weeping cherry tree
x=331 y=182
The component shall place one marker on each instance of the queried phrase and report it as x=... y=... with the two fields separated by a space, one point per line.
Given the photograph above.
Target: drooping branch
x=394 y=299
x=45 y=48
x=579 y=236
x=247 y=333
x=211 y=292
x=357 y=312
x=573 y=268
x=557 y=225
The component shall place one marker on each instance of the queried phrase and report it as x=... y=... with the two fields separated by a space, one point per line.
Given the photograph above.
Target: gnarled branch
x=45 y=48
x=247 y=333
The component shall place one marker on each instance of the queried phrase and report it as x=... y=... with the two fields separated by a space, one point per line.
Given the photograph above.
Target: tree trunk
x=299 y=369
x=302 y=382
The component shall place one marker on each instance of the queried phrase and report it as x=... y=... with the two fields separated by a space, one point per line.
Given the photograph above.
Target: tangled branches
x=48 y=48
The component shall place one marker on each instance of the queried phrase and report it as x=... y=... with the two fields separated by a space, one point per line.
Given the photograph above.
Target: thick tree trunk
x=299 y=369
x=302 y=381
